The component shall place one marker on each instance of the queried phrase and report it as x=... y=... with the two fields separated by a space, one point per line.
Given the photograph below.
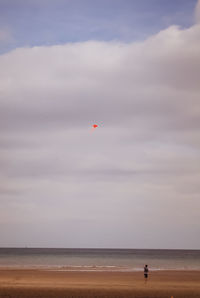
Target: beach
x=21 y=283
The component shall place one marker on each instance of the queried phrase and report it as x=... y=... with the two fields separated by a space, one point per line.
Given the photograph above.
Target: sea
x=74 y=259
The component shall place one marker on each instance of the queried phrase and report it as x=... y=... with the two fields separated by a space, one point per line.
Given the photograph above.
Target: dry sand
x=40 y=283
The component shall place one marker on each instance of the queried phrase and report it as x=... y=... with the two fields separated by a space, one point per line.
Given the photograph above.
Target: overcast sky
x=133 y=68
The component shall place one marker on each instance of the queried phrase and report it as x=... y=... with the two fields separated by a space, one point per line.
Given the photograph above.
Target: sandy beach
x=20 y=283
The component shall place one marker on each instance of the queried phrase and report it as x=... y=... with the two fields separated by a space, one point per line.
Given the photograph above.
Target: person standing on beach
x=146 y=271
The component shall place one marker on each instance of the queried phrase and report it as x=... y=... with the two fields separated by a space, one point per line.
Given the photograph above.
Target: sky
x=133 y=68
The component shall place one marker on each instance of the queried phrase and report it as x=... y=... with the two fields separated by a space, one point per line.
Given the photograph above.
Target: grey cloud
x=9 y=191
x=142 y=160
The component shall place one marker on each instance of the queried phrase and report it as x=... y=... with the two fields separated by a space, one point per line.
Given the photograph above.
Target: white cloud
x=197 y=12
x=140 y=162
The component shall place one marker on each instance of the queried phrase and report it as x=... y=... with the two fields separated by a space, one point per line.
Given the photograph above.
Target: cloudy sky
x=133 y=68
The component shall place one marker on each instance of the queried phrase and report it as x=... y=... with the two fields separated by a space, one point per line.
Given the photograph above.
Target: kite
x=94 y=126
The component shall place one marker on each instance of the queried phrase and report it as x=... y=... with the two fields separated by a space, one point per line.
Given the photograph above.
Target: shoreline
x=35 y=283
x=91 y=269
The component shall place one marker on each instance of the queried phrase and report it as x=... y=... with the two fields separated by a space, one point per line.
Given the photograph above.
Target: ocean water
x=100 y=259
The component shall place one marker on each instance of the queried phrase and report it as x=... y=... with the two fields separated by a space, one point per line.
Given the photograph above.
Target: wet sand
x=20 y=283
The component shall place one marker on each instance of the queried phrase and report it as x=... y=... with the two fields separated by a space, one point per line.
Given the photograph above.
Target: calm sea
x=100 y=259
